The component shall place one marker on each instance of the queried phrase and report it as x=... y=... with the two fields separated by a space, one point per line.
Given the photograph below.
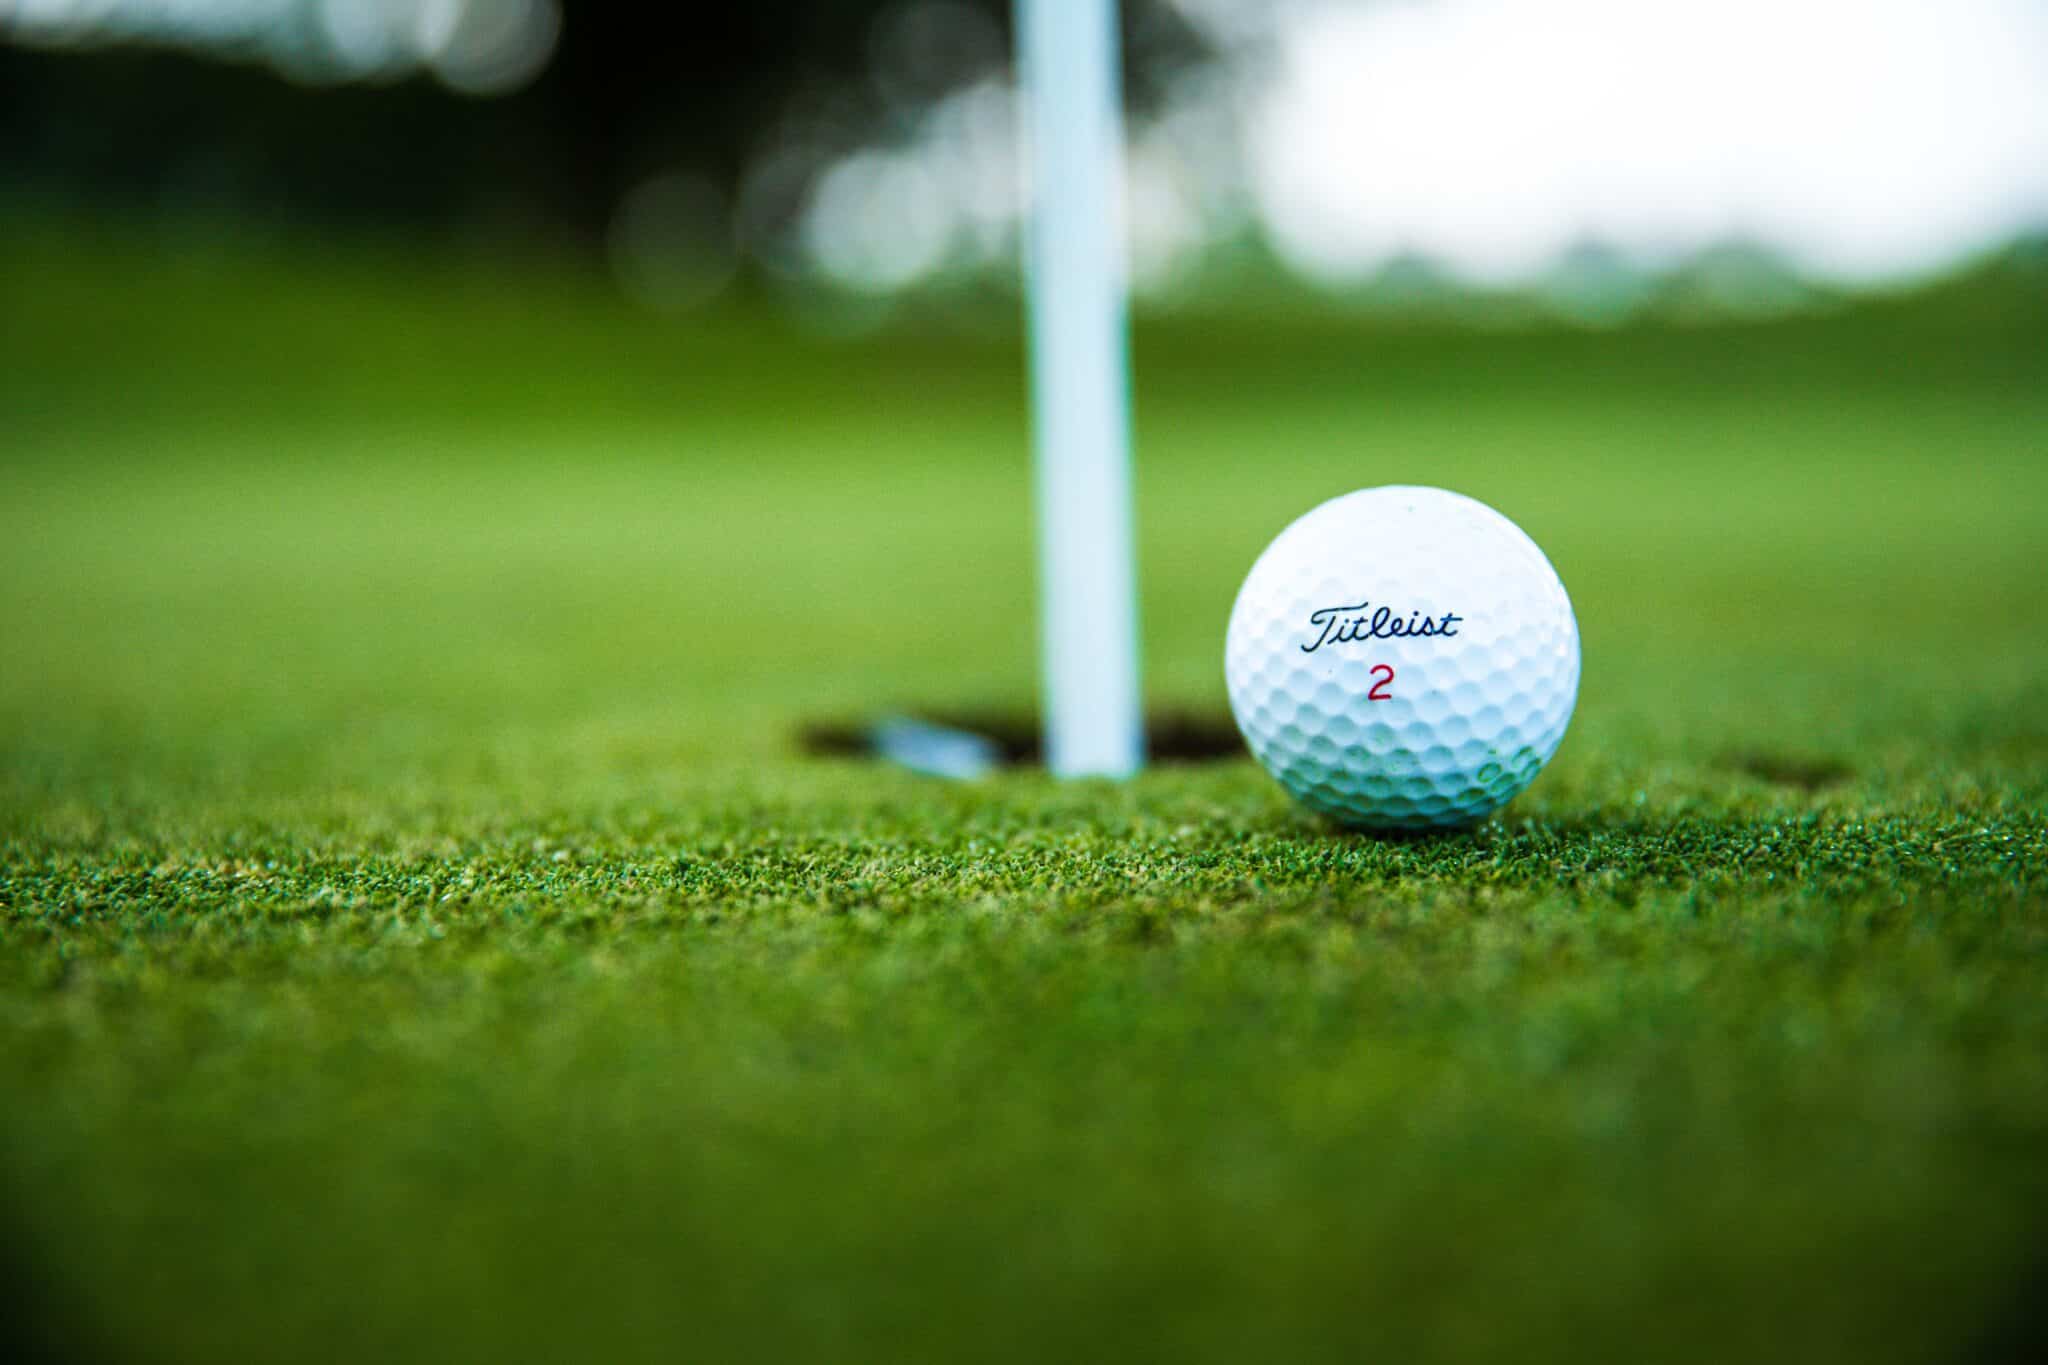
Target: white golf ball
x=1403 y=658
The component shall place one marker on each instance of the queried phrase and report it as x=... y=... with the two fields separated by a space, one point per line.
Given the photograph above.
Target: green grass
x=420 y=937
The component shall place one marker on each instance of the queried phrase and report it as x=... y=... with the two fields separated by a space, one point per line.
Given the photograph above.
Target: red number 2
x=1379 y=689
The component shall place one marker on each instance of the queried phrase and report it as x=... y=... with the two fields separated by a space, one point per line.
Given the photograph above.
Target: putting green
x=421 y=935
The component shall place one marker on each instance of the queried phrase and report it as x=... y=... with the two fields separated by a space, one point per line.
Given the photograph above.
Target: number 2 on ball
x=1385 y=674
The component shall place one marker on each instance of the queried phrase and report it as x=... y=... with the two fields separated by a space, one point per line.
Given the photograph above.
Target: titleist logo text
x=1363 y=621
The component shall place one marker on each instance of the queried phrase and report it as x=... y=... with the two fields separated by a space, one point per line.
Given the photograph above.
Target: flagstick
x=1080 y=387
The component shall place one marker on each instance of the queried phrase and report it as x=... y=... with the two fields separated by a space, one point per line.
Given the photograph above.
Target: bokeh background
x=1586 y=151
x=451 y=452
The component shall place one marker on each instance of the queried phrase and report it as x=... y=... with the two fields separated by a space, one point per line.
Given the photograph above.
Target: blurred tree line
x=630 y=90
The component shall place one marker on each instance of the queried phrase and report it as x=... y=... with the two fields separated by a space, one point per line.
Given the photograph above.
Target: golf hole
x=968 y=743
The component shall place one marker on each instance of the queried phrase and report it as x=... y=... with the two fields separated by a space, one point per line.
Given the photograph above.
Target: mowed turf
x=421 y=936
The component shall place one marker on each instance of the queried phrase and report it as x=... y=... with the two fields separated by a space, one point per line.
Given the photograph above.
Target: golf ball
x=1402 y=658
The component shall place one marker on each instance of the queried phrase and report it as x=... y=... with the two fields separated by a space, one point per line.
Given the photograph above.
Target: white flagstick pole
x=1080 y=387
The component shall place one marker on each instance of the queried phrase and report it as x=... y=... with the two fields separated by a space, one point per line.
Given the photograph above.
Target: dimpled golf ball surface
x=1403 y=658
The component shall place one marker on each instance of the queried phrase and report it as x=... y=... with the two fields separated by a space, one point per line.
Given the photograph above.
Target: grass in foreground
x=419 y=935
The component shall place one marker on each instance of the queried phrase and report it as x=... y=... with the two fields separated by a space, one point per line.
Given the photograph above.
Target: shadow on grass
x=1785 y=770
x=42 y=1321
x=2017 y=1327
